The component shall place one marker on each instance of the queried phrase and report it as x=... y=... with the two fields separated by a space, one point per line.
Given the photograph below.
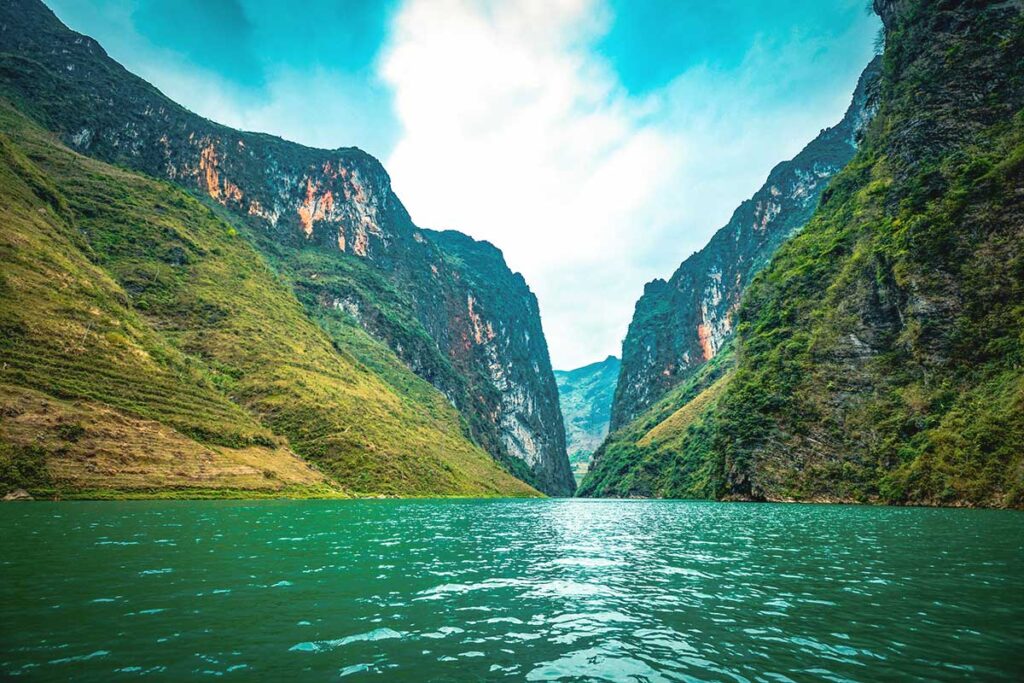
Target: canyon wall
x=329 y=222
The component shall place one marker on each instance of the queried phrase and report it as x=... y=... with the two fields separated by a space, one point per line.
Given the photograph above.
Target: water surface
x=524 y=590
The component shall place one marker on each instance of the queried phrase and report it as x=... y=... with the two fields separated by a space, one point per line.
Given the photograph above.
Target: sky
x=598 y=143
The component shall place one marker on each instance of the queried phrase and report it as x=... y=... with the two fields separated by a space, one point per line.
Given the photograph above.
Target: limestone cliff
x=499 y=345
x=682 y=323
x=878 y=357
x=327 y=219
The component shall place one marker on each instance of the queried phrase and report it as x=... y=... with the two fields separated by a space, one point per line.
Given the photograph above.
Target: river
x=503 y=589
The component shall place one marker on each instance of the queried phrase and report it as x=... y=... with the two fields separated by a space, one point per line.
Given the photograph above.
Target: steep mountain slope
x=650 y=456
x=585 y=395
x=682 y=323
x=500 y=345
x=880 y=357
x=147 y=348
x=326 y=219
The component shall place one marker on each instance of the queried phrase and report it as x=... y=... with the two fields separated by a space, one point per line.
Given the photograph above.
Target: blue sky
x=597 y=142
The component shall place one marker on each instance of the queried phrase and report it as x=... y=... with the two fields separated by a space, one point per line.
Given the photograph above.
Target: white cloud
x=516 y=131
x=514 y=134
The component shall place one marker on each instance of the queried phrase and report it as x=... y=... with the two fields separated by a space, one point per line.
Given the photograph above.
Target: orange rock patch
x=314 y=207
x=208 y=169
x=706 y=342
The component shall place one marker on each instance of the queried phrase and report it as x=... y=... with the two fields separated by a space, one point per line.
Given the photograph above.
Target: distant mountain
x=388 y=295
x=879 y=357
x=585 y=395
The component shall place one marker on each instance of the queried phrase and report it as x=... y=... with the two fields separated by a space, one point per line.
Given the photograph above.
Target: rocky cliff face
x=879 y=356
x=329 y=220
x=586 y=397
x=889 y=333
x=499 y=345
x=682 y=323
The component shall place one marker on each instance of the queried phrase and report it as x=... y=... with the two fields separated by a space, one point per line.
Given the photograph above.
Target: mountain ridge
x=682 y=322
x=385 y=272
x=877 y=357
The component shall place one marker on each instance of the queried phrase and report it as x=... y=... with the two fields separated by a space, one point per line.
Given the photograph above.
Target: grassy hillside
x=330 y=225
x=133 y=315
x=649 y=457
x=880 y=357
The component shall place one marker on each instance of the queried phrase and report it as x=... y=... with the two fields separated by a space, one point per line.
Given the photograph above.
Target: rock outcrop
x=499 y=345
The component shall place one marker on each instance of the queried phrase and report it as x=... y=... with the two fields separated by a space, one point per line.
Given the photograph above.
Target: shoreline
x=299 y=494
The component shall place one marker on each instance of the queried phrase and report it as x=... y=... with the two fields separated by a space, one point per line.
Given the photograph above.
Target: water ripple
x=534 y=590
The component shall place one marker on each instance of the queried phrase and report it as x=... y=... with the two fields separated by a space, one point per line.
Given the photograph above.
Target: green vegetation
x=148 y=349
x=649 y=457
x=23 y=466
x=880 y=356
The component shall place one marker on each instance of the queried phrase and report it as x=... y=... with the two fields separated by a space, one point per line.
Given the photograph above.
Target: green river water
x=518 y=590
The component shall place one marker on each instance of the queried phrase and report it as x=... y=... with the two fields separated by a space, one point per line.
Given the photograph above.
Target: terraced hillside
x=148 y=349
x=328 y=221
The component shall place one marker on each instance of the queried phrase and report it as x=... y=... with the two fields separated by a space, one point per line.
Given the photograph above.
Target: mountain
x=585 y=395
x=508 y=355
x=327 y=223
x=880 y=355
x=148 y=349
x=682 y=323
x=680 y=335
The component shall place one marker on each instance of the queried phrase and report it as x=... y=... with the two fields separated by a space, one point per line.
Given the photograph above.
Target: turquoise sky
x=598 y=142
x=652 y=41
x=244 y=43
